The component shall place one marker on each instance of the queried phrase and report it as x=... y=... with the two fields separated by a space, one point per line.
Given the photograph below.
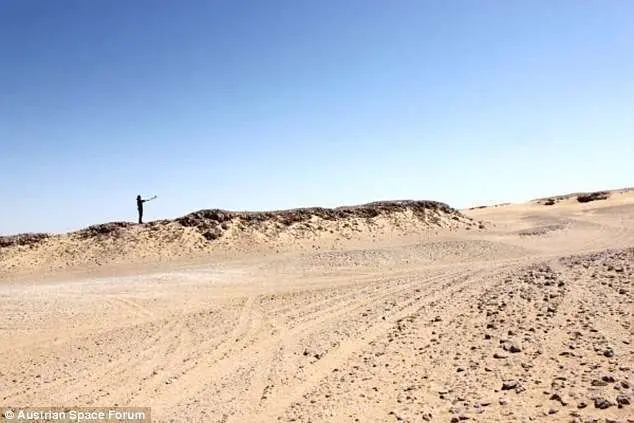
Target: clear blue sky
x=288 y=103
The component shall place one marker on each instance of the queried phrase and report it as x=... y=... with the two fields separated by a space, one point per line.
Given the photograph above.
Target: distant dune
x=581 y=197
x=208 y=231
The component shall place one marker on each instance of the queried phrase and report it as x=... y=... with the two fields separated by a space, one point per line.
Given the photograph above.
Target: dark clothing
x=139 y=206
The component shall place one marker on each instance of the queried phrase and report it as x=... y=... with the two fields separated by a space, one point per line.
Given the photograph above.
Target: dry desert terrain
x=389 y=312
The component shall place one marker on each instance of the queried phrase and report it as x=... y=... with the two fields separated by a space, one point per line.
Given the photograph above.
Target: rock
x=552 y=411
x=582 y=405
x=557 y=397
x=511 y=347
x=510 y=384
x=608 y=379
x=593 y=196
x=608 y=353
x=602 y=403
x=625 y=384
x=28 y=239
x=623 y=399
x=455 y=410
x=500 y=356
x=598 y=382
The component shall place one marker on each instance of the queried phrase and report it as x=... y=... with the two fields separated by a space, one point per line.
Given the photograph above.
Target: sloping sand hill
x=206 y=232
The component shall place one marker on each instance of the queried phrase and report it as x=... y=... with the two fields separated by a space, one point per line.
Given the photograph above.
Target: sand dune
x=408 y=312
x=206 y=232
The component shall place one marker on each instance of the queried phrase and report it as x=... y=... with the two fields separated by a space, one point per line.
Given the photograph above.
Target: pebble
x=598 y=382
x=511 y=347
x=623 y=399
x=557 y=397
x=602 y=403
x=510 y=384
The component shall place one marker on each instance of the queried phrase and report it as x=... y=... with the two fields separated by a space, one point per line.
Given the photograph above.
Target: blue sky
x=288 y=103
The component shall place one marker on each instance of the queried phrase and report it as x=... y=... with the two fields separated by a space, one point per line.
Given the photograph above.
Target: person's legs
x=140 y=216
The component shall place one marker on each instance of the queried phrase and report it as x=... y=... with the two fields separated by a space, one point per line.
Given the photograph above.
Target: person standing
x=139 y=206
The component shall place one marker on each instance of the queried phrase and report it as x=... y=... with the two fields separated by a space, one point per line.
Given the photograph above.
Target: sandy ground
x=528 y=320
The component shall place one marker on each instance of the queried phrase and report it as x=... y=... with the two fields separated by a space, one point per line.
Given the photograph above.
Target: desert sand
x=388 y=312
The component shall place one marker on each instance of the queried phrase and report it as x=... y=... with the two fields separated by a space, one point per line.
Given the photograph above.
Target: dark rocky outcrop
x=112 y=229
x=210 y=222
x=22 y=239
x=593 y=196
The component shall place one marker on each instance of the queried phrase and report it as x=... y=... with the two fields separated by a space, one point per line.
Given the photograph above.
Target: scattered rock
x=510 y=384
x=28 y=239
x=593 y=196
x=557 y=397
x=602 y=403
x=511 y=347
x=598 y=382
x=623 y=399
